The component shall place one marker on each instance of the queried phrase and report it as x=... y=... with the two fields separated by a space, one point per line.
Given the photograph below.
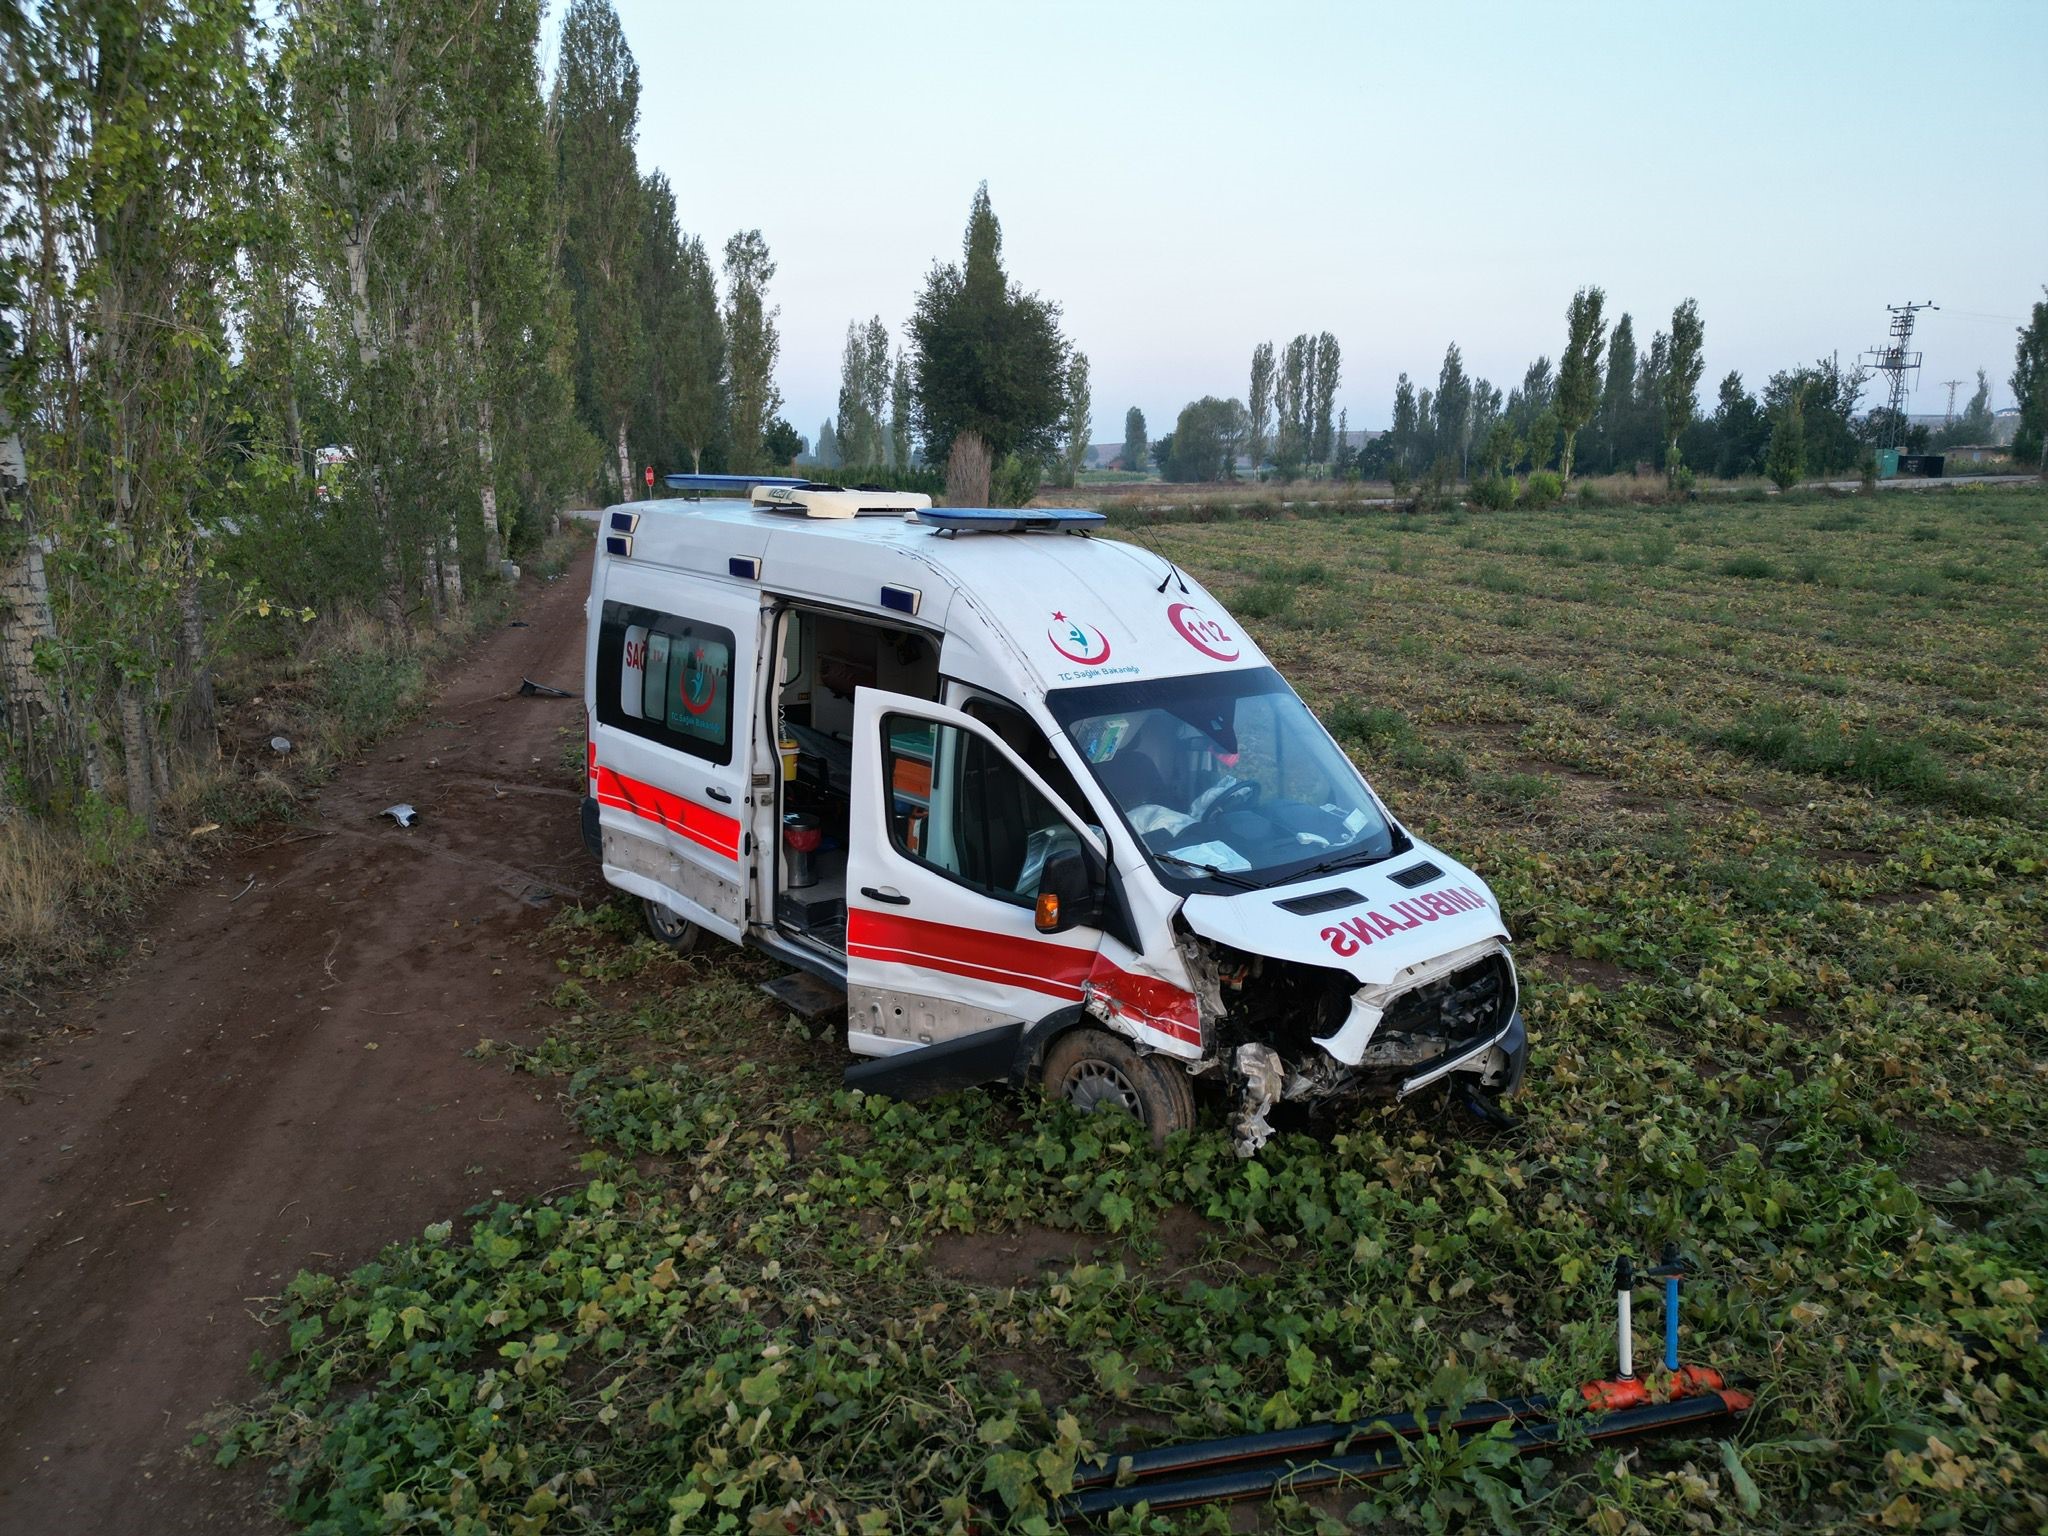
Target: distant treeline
x=1608 y=406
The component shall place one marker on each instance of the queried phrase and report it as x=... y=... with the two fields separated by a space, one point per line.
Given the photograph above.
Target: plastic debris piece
x=533 y=690
x=403 y=814
x=280 y=745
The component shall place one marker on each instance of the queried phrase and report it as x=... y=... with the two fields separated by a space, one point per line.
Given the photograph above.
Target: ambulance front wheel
x=1091 y=1069
x=678 y=933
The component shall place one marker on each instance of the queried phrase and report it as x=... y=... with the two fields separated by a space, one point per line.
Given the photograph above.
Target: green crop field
x=1760 y=785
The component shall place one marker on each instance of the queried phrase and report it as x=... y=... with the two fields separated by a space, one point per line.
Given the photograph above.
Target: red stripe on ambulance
x=699 y=823
x=1055 y=970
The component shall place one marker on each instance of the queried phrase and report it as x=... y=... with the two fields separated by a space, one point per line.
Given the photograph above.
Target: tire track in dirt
x=276 y=1080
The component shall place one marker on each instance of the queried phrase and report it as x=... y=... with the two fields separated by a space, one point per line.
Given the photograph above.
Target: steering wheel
x=1241 y=796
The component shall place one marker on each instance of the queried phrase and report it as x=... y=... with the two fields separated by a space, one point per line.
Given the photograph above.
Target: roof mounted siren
x=738 y=487
x=953 y=521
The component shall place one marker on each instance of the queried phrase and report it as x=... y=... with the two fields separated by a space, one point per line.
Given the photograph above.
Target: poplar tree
x=516 y=396
x=597 y=95
x=864 y=393
x=859 y=432
x=1578 y=376
x=752 y=347
x=1078 y=422
x=1684 y=364
x=1292 y=405
x=663 y=321
x=1323 y=395
x=899 y=413
x=1453 y=407
x=2030 y=388
x=1137 y=447
x=1259 y=404
x=1403 y=445
x=698 y=337
x=1616 y=400
x=126 y=136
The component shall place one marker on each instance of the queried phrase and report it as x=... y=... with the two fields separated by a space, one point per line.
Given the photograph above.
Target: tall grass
x=1898 y=765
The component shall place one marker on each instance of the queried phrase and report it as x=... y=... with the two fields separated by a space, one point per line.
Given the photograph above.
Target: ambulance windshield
x=1225 y=772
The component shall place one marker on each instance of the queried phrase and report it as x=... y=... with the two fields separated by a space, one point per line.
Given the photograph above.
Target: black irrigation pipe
x=1306 y=1440
x=1297 y=1476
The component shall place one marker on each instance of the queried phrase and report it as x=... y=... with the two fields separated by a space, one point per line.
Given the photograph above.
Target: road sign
x=648 y=476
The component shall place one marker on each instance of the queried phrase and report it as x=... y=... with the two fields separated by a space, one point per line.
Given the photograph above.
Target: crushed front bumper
x=1499 y=1062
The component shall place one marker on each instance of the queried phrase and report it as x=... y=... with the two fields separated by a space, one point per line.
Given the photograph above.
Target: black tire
x=677 y=932
x=1090 y=1068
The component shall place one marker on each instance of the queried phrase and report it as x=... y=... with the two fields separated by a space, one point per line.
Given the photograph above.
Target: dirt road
x=276 y=1080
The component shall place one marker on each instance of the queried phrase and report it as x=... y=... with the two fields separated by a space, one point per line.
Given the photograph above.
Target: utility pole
x=1952 y=384
x=1897 y=362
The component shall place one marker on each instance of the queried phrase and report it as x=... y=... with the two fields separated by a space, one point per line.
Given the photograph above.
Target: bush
x=1377 y=726
x=1685 y=482
x=1263 y=600
x=970 y=473
x=1496 y=493
x=1656 y=547
x=1590 y=495
x=1544 y=488
x=1752 y=567
x=1017 y=480
x=1496 y=579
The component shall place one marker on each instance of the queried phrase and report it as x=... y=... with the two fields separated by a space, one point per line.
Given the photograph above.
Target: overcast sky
x=1189 y=179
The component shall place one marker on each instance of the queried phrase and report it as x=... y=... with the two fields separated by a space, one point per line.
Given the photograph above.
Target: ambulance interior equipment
x=1032 y=802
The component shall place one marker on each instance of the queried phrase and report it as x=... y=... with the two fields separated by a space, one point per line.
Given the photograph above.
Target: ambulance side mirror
x=1068 y=894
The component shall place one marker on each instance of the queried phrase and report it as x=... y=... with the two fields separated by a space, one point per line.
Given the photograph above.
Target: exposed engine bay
x=1312 y=1035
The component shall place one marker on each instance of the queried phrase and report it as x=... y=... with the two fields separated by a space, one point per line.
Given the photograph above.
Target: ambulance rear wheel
x=1092 y=1069
x=678 y=933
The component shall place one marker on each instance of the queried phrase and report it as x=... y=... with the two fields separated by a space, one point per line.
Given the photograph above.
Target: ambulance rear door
x=672 y=744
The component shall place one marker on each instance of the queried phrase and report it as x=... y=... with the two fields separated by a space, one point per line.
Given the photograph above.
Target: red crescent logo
x=1202 y=632
x=697 y=673
x=1091 y=644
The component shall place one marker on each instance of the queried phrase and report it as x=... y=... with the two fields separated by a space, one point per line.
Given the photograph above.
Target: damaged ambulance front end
x=1332 y=955
x=1395 y=981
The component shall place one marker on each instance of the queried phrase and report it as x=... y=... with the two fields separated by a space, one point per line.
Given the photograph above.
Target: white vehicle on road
x=1031 y=799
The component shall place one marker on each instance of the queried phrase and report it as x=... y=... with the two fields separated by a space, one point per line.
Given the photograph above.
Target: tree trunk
x=25 y=621
x=625 y=465
x=451 y=571
x=135 y=752
x=696 y=461
x=430 y=577
x=494 y=549
x=202 y=724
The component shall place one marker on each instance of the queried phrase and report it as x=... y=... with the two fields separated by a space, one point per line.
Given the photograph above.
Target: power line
x=1953 y=385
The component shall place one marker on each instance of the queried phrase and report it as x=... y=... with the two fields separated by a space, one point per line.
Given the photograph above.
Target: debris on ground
x=280 y=745
x=403 y=814
x=532 y=690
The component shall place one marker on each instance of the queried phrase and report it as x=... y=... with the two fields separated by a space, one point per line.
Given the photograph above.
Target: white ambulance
x=1031 y=799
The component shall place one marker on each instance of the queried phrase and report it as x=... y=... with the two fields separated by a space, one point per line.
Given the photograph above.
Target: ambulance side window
x=666 y=678
x=958 y=806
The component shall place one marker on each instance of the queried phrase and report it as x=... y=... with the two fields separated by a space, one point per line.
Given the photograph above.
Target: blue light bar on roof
x=1008 y=519
x=737 y=485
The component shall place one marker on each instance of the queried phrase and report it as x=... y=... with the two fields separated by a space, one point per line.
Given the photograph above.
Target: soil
x=276 y=1080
